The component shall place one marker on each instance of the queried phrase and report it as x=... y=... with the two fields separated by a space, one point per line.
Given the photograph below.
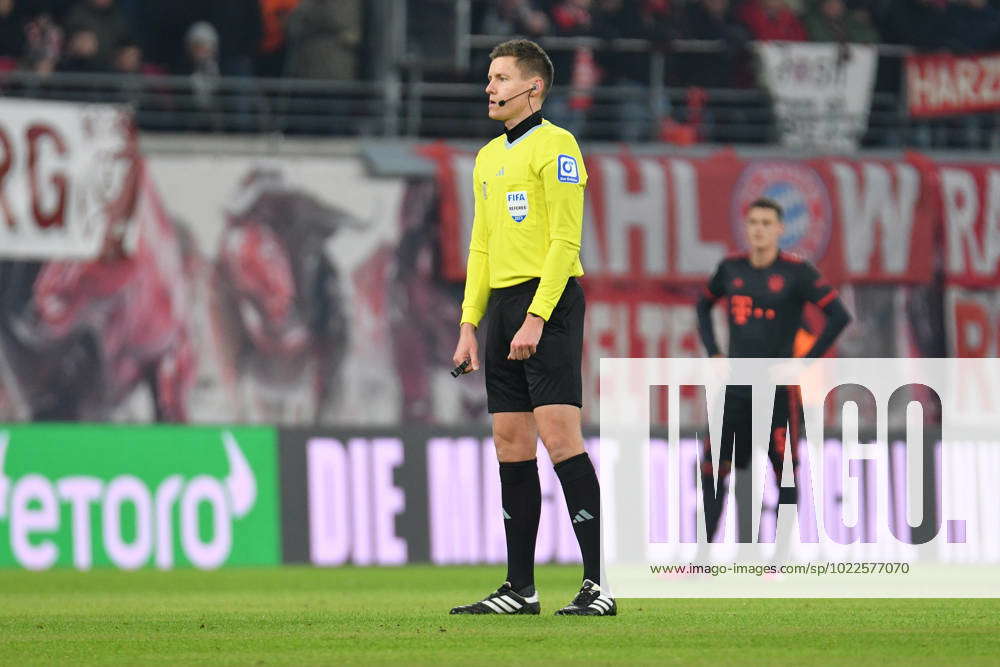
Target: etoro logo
x=129 y=519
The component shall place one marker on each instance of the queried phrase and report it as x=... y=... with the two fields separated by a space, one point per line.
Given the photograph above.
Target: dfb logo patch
x=569 y=170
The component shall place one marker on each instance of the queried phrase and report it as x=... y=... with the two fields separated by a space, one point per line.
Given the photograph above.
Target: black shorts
x=551 y=376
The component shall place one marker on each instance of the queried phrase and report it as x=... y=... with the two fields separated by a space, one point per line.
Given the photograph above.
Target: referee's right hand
x=467 y=348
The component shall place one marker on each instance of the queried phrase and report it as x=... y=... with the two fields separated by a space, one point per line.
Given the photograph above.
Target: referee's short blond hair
x=531 y=60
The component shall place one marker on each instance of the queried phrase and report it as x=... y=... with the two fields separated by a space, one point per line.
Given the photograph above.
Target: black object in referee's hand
x=460 y=369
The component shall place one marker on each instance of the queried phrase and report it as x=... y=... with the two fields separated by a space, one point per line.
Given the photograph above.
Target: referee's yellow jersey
x=529 y=218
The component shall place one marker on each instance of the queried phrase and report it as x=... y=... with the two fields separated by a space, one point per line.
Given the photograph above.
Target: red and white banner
x=973 y=319
x=657 y=221
x=944 y=84
x=656 y=226
x=250 y=291
x=231 y=288
x=970 y=209
x=822 y=91
x=62 y=167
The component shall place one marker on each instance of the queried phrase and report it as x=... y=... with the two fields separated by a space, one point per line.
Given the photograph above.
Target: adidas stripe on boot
x=504 y=601
x=590 y=602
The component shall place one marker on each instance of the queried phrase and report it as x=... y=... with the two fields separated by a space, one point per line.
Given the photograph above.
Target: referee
x=524 y=260
x=767 y=290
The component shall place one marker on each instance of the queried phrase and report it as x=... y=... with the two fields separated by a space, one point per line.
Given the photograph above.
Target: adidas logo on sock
x=581 y=516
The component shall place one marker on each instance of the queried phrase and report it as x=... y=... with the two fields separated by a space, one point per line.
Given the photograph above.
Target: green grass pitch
x=399 y=616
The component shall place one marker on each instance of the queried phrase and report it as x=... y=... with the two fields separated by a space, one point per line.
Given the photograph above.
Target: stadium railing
x=409 y=105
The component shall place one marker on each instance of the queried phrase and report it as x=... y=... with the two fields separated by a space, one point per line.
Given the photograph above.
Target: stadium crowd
x=957 y=25
x=339 y=41
x=324 y=39
x=295 y=38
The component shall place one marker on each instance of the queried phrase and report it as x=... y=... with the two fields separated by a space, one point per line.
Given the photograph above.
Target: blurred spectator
x=203 y=64
x=105 y=21
x=134 y=87
x=638 y=107
x=611 y=22
x=240 y=29
x=655 y=18
x=973 y=25
x=919 y=23
x=713 y=20
x=578 y=68
x=641 y=19
x=514 y=17
x=136 y=17
x=572 y=17
x=769 y=20
x=81 y=53
x=56 y=9
x=129 y=60
x=271 y=56
x=12 y=24
x=609 y=17
x=165 y=43
x=832 y=21
x=323 y=36
x=44 y=44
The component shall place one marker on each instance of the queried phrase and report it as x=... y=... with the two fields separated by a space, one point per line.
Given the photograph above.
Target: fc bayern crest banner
x=822 y=92
x=657 y=221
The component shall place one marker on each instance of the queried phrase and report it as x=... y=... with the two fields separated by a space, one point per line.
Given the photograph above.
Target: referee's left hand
x=525 y=341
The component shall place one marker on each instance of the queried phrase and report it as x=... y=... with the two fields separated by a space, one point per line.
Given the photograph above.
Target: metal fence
x=406 y=104
x=220 y=104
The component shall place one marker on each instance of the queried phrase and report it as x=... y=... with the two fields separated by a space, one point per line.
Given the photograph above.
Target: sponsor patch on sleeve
x=569 y=170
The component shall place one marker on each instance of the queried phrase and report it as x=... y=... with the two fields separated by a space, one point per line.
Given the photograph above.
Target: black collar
x=522 y=128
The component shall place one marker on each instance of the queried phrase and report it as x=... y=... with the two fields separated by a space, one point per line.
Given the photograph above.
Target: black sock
x=583 y=499
x=521 y=494
x=713 y=506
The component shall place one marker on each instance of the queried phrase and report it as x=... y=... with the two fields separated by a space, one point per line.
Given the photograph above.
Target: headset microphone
x=523 y=92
